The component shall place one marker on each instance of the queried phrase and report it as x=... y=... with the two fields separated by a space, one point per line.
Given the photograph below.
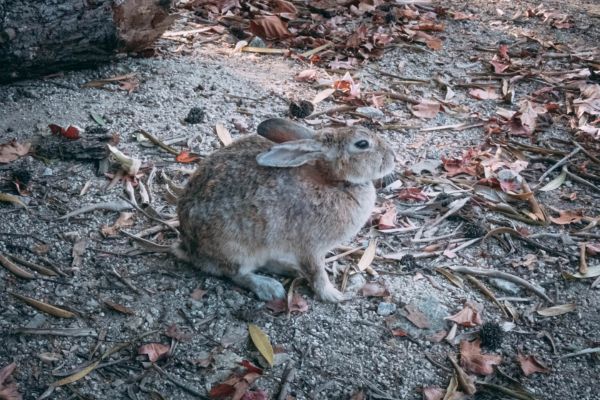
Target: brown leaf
x=118 y=307
x=187 y=157
x=198 y=294
x=433 y=393
x=358 y=37
x=568 y=217
x=154 y=351
x=279 y=306
x=468 y=316
x=373 y=289
x=8 y=387
x=358 y=395
x=125 y=220
x=12 y=150
x=414 y=315
x=530 y=365
x=78 y=252
x=413 y=193
x=474 y=361
x=174 y=332
x=282 y=6
x=388 y=218
x=269 y=28
x=308 y=75
x=426 y=109
x=488 y=93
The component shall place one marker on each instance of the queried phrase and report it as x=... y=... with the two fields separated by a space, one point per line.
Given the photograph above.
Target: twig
x=288 y=377
x=437 y=364
x=581 y=180
x=397 y=96
x=118 y=205
x=151 y=217
x=558 y=164
x=73 y=332
x=125 y=281
x=583 y=267
x=157 y=142
x=182 y=385
x=38 y=268
x=587 y=153
x=147 y=244
x=332 y=110
x=581 y=353
x=503 y=275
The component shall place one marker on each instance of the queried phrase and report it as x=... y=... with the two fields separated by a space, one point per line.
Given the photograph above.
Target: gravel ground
x=336 y=350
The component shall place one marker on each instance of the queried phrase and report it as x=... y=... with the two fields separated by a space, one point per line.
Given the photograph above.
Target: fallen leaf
x=118 y=307
x=154 y=351
x=474 y=361
x=413 y=193
x=262 y=342
x=125 y=220
x=78 y=252
x=322 y=95
x=426 y=109
x=279 y=306
x=174 y=332
x=399 y=333
x=433 y=393
x=198 y=294
x=468 y=316
x=530 y=365
x=13 y=150
x=9 y=198
x=255 y=395
x=557 y=310
x=388 y=218
x=269 y=27
x=223 y=134
x=568 y=217
x=374 y=289
x=8 y=387
x=187 y=157
x=488 y=93
x=414 y=315
x=45 y=307
x=308 y=75
x=368 y=256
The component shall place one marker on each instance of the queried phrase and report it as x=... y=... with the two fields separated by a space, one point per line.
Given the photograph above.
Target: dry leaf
x=198 y=294
x=373 y=289
x=530 y=365
x=568 y=217
x=368 y=256
x=8 y=387
x=9 y=198
x=223 y=134
x=44 y=307
x=474 y=361
x=388 y=218
x=433 y=393
x=468 y=316
x=426 y=109
x=154 y=351
x=125 y=220
x=174 y=332
x=186 y=157
x=488 y=93
x=78 y=252
x=119 y=308
x=269 y=28
x=296 y=304
x=262 y=342
x=12 y=150
x=308 y=75
x=557 y=310
x=414 y=315
x=322 y=95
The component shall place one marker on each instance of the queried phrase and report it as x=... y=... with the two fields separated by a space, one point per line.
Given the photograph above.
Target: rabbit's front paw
x=264 y=287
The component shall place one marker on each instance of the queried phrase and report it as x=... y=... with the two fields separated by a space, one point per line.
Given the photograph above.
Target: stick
x=118 y=205
x=157 y=142
x=580 y=180
x=288 y=377
x=177 y=382
x=559 y=163
x=503 y=275
x=580 y=353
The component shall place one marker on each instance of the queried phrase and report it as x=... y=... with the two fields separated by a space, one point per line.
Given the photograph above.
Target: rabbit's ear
x=292 y=154
x=281 y=130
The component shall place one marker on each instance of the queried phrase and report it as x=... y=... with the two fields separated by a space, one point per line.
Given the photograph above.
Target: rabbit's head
x=354 y=155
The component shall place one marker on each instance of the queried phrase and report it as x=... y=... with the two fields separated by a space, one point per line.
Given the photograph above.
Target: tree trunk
x=40 y=37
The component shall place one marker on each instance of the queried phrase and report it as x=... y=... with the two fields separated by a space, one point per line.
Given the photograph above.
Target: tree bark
x=40 y=37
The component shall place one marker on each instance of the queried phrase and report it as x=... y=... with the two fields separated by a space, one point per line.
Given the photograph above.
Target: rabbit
x=278 y=202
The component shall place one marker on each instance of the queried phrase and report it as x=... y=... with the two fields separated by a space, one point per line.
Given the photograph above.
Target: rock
x=386 y=309
x=371 y=112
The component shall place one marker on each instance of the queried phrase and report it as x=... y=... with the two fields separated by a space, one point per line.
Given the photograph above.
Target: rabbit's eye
x=362 y=144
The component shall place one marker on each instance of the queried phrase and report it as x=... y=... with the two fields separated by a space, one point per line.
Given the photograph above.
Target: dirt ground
x=365 y=347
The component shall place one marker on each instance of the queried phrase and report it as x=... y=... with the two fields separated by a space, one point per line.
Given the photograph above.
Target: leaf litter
x=491 y=183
